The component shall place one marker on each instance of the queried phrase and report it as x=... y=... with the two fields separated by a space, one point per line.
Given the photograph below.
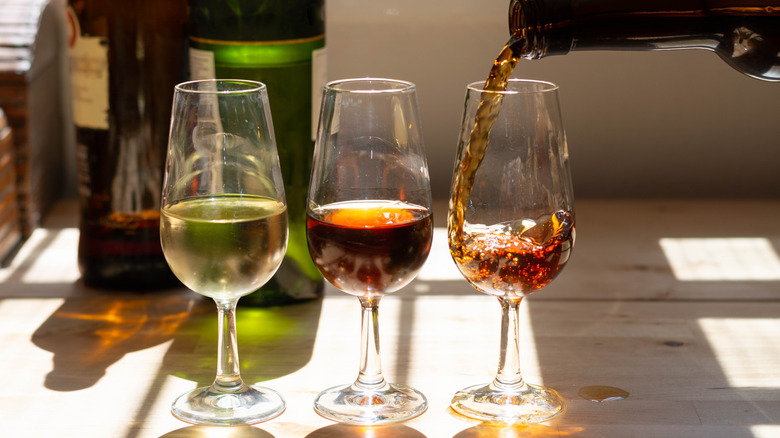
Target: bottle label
x=319 y=76
x=88 y=76
x=202 y=64
x=210 y=59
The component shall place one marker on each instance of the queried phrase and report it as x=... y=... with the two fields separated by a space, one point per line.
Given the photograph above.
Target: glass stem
x=508 y=376
x=228 y=375
x=370 y=376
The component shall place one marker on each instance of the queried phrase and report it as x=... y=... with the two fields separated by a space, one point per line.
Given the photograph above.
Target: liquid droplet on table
x=602 y=393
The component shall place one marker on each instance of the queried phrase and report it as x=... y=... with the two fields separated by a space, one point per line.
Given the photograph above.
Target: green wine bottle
x=282 y=44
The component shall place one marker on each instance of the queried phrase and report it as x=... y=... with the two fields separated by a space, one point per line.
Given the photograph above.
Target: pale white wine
x=224 y=246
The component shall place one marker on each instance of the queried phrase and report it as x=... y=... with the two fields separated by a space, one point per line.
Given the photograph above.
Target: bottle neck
x=556 y=27
x=257 y=21
x=643 y=33
x=744 y=33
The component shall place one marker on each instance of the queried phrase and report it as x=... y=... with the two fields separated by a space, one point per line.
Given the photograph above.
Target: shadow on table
x=90 y=333
x=348 y=431
x=272 y=341
x=96 y=329
x=218 y=431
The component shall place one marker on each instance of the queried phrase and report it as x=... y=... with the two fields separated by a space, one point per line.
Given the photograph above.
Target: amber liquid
x=603 y=393
x=487 y=111
x=369 y=247
x=519 y=259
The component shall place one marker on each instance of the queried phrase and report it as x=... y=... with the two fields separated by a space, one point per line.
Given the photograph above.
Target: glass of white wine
x=224 y=226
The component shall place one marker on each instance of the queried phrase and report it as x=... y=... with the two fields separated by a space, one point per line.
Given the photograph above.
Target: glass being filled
x=511 y=227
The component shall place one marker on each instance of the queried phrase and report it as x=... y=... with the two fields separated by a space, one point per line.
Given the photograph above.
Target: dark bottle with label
x=125 y=59
x=744 y=33
x=282 y=44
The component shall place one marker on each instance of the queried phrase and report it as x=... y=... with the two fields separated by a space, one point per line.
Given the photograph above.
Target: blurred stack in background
x=32 y=131
x=10 y=228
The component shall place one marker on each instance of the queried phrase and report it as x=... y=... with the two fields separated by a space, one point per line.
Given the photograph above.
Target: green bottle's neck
x=256 y=21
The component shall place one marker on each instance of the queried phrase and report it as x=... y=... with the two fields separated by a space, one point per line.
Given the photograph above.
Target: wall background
x=639 y=125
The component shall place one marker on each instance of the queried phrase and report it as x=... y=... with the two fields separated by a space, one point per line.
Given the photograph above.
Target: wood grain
x=695 y=363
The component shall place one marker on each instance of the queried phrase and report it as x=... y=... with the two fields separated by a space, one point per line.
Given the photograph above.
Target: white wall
x=652 y=124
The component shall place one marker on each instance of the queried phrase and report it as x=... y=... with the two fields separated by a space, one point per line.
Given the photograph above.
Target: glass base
x=353 y=405
x=530 y=404
x=247 y=405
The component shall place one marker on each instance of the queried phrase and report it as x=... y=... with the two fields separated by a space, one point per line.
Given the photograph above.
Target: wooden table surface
x=674 y=302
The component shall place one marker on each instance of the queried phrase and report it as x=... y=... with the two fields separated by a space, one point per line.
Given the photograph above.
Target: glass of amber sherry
x=369 y=226
x=511 y=227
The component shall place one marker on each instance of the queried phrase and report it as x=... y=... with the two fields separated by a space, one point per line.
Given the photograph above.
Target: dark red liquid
x=369 y=248
x=123 y=251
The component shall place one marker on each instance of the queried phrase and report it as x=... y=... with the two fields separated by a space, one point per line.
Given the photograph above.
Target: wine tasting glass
x=511 y=227
x=224 y=226
x=369 y=226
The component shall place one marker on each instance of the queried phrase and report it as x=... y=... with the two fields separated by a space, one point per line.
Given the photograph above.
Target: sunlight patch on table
x=765 y=431
x=20 y=315
x=439 y=266
x=57 y=262
x=25 y=253
x=476 y=345
x=48 y=256
x=529 y=358
x=747 y=349
x=152 y=400
x=722 y=259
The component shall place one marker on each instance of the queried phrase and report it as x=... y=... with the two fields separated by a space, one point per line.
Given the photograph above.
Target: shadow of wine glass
x=94 y=330
x=198 y=431
x=349 y=431
x=272 y=341
x=90 y=333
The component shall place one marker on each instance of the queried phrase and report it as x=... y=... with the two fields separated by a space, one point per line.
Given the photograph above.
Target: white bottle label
x=202 y=64
x=319 y=77
x=88 y=76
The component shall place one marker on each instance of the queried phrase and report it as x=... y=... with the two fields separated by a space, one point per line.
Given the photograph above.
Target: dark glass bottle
x=282 y=44
x=744 y=33
x=125 y=57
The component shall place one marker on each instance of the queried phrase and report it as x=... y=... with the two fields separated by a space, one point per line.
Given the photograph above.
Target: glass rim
x=479 y=86
x=251 y=86
x=390 y=85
